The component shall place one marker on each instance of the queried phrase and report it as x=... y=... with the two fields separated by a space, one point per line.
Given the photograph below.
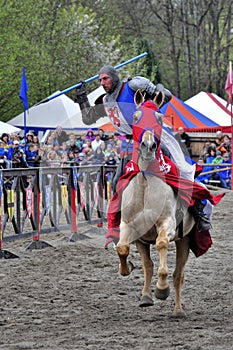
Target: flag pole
x=91 y=79
x=23 y=96
x=25 y=124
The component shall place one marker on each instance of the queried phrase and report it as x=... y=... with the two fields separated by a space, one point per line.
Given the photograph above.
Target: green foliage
x=56 y=43
x=61 y=42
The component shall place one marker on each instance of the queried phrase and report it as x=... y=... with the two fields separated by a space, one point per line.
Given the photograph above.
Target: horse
x=148 y=215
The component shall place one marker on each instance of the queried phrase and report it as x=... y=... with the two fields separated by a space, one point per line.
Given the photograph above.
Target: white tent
x=212 y=106
x=59 y=111
x=7 y=128
x=75 y=121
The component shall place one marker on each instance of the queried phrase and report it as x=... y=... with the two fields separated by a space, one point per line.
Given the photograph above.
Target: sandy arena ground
x=70 y=296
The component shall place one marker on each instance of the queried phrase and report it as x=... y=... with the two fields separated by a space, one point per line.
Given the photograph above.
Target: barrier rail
x=42 y=200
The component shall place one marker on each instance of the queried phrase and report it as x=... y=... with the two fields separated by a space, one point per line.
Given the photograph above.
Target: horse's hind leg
x=148 y=269
x=182 y=253
x=162 y=290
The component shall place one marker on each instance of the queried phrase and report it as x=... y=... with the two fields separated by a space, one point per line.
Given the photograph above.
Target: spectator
x=99 y=156
x=71 y=156
x=22 y=145
x=31 y=155
x=205 y=177
x=81 y=160
x=82 y=140
x=208 y=146
x=110 y=160
x=61 y=135
x=184 y=141
x=90 y=135
x=10 y=149
x=4 y=163
x=35 y=140
x=73 y=139
x=76 y=156
x=103 y=146
x=63 y=149
x=29 y=138
x=209 y=159
x=108 y=150
x=218 y=139
x=14 y=137
x=53 y=160
x=65 y=160
x=225 y=145
x=89 y=155
x=5 y=138
x=88 y=144
x=73 y=146
x=41 y=158
x=225 y=175
x=18 y=157
x=50 y=141
x=117 y=148
x=103 y=136
x=56 y=148
x=126 y=148
x=96 y=142
x=115 y=139
x=217 y=160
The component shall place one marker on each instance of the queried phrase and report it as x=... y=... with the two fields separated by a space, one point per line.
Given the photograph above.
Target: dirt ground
x=70 y=296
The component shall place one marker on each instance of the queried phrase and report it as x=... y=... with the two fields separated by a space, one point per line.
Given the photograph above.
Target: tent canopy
x=75 y=121
x=59 y=111
x=7 y=128
x=177 y=113
x=211 y=105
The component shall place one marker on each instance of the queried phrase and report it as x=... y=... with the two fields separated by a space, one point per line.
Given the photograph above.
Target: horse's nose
x=149 y=145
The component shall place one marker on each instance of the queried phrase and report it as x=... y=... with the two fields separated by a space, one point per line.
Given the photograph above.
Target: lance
x=91 y=79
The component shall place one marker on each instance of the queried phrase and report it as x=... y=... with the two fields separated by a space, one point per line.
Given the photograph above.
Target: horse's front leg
x=123 y=248
x=162 y=287
x=148 y=269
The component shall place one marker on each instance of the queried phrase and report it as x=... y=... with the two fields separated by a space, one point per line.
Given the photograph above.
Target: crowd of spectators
x=60 y=149
x=98 y=148
x=216 y=161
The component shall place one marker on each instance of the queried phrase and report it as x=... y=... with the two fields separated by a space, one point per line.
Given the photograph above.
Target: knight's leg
x=114 y=209
x=201 y=219
x=182 y=253
x=162 y=287
x=148 y=269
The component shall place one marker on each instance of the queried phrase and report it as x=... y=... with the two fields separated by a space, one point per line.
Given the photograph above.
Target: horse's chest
x=142 y=192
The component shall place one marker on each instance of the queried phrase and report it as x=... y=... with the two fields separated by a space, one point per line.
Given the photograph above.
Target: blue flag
x=24 y=89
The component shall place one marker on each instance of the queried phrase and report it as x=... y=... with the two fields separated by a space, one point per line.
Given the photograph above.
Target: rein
x=149 y=173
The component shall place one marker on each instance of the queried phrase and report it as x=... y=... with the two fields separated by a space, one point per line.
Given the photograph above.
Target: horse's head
x=147 y=125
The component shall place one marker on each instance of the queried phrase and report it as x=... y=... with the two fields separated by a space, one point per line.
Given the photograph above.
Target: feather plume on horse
x=149 y=209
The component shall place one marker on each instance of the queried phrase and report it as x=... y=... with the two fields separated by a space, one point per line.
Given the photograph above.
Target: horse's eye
x=137 y=115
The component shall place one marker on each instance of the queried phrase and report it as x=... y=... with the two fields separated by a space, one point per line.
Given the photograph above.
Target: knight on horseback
x=118 y=104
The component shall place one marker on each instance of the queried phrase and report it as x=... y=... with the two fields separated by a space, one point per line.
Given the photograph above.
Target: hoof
x=162 y=293
x=178 y=313
x=126 y=270
x=146 y=300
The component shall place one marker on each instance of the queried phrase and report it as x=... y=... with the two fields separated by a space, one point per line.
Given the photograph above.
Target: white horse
x=148 y=215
